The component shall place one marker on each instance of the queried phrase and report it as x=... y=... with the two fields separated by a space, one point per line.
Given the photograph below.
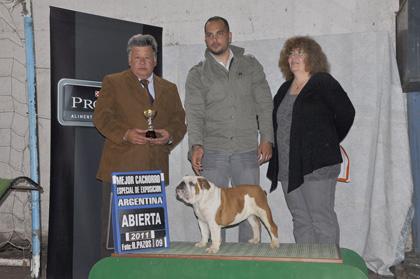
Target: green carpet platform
x=183 y=260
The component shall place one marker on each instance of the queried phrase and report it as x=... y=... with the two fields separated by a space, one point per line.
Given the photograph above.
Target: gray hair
x=141 y=40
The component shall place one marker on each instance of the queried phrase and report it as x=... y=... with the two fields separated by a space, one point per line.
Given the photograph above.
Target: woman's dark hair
x=315 y=59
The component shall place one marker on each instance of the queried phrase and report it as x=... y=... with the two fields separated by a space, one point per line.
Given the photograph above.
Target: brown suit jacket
x=120 y=107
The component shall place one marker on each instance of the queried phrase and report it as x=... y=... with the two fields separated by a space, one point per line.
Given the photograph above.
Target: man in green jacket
x=228 y=107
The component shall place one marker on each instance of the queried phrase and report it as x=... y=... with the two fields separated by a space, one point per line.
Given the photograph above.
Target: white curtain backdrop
x=374 y=208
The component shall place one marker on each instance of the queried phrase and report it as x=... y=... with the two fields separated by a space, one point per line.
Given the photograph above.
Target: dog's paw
x=275 y=243
x=254 y=241
x=201 y=244
x=212 y=250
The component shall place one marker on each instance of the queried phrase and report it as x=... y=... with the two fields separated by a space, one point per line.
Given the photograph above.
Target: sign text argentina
x=139 y=211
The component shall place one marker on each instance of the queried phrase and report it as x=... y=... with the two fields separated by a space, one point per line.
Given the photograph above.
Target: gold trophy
x=150 y=114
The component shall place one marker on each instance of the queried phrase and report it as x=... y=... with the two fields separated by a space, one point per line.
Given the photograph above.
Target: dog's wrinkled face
x=191 y=188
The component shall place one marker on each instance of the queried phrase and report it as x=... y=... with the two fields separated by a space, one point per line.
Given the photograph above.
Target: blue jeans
x=237 y=168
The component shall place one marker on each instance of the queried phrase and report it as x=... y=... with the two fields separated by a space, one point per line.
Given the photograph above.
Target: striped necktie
x=145 y=84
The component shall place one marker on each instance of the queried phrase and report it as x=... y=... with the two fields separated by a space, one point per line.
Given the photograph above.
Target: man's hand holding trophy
x=155 y=136
x=151 y=135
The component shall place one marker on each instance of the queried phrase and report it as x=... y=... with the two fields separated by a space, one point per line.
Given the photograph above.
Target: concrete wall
x=182 y=22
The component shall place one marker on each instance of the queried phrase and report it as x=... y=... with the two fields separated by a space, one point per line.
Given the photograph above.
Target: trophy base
x=151 y=134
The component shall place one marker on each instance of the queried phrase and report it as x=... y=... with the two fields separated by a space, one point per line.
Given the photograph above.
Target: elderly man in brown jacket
x=119 y=117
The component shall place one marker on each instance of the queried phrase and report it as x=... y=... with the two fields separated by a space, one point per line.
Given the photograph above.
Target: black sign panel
x=139 y=211
x=75 y=194
x=76 y=101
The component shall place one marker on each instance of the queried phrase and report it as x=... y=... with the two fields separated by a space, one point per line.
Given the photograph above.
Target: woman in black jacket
x=312 y=115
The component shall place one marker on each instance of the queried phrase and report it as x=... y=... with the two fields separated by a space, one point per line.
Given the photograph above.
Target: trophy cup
x=150 y=114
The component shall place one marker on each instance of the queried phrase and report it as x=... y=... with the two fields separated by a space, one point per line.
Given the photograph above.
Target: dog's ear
x=197 y=188
x=203 y=183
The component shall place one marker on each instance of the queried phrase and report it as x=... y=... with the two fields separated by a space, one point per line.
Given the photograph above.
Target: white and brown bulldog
x=216 y=208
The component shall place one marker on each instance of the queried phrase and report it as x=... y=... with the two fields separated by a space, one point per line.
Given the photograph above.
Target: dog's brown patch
x=204 y=184
x=232 y=203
